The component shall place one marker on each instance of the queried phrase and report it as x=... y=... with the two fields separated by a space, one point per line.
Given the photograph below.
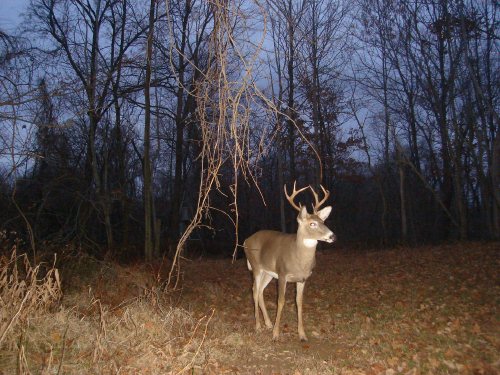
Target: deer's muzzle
x=330 y=237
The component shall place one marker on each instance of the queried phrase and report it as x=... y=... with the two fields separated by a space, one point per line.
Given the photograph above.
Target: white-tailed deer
x=287 y=257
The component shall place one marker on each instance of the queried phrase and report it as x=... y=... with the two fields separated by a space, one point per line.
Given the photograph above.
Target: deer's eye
x=313 y=224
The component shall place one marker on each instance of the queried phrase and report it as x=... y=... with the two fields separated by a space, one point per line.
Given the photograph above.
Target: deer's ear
x=324 y=212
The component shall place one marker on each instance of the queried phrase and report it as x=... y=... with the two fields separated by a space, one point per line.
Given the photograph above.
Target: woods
x=139 y=129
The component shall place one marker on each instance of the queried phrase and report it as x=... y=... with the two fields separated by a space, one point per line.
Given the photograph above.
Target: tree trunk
x=496 y=187
x=281 y=183
x=442 y=119
x=291 y=92
x=148 y=214
x=402 y=197
x=177 y=192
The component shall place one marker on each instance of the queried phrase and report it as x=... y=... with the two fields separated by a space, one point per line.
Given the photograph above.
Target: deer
x=288 y=257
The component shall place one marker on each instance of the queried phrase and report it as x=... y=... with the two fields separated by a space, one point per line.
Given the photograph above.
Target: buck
x=287 y=257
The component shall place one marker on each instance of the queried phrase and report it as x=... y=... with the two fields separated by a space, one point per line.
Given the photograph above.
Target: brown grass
x=24 y=292
x=399 y=311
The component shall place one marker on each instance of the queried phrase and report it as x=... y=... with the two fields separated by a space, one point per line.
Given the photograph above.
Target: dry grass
x=24 y=292
x=401 y=311
x=114 y=323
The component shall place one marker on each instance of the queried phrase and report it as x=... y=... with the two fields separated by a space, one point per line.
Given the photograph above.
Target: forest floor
x=425 y=310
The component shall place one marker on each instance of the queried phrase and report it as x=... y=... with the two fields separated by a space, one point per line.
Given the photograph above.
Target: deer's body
x=288 y=258
x=261 y=253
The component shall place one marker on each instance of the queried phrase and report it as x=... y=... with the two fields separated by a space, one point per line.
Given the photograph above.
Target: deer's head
x=312 y=227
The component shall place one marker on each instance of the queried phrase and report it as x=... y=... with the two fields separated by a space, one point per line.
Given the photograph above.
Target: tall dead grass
x=24 y=291
x=88 y=331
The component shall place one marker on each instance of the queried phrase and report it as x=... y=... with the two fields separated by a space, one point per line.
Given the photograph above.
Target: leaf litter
x=410 y=311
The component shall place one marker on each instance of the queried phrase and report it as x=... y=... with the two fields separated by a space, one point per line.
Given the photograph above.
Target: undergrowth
x=87 y=331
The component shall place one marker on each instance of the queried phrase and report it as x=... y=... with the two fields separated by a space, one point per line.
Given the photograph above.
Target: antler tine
x=318 y=203
x=290 y=198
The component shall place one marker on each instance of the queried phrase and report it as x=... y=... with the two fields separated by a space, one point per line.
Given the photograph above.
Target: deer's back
x=265 y=239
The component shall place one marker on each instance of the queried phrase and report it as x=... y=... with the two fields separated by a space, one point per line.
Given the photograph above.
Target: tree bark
x=148 y=206
x=177 y=192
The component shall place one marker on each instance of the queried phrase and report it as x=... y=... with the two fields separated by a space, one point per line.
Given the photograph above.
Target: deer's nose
x=331 y=237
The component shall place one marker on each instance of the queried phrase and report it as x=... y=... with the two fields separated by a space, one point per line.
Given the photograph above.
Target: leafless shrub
x=225 y=101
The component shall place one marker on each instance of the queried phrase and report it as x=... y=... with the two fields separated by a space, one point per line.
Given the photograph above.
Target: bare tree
x=187 y=27
x=323 y=55
x=286 y=16
x=148 y=206
x=82 y=49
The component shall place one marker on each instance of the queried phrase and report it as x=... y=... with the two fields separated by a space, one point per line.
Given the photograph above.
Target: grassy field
x=397 y=311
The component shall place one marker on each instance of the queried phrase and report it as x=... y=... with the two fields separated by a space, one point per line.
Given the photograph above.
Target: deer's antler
x=290 y=198
x=318 y=203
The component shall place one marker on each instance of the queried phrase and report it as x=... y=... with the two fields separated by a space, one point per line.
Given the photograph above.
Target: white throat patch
x=310 y=243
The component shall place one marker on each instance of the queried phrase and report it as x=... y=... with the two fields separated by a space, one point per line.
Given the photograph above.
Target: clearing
x=405 y=310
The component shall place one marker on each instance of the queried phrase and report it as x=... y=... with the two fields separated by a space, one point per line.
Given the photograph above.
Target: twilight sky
x=10 y=13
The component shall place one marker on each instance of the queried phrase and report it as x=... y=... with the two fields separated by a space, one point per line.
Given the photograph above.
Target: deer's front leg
x=299 y=299
x=281 y=303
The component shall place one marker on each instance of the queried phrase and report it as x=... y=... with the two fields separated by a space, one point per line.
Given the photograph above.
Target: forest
x=141 y=143
x=138 y=130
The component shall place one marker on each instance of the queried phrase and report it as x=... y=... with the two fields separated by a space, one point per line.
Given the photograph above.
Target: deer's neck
x=302 y=258
x=305 y=244
x=305 y=249
x=309 y=243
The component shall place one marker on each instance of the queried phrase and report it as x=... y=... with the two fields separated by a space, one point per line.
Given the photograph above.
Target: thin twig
x=63 y=350
x=202 y=340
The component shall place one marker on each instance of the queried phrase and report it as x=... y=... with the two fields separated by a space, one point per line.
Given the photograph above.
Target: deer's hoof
x=302 y=335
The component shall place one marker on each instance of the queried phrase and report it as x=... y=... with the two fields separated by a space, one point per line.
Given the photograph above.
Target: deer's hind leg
x=257 y=282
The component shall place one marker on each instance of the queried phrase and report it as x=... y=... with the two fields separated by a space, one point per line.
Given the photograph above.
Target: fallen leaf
x=377 y=368
x=476 y=328
x=56 y=337
x=393 y=361
x=450 y=364
x=434 y=362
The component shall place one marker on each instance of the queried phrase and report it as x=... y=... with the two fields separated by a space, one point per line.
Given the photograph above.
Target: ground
x=403 y=310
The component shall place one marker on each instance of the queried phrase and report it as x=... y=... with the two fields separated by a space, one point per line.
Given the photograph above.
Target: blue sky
x=10 y=11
